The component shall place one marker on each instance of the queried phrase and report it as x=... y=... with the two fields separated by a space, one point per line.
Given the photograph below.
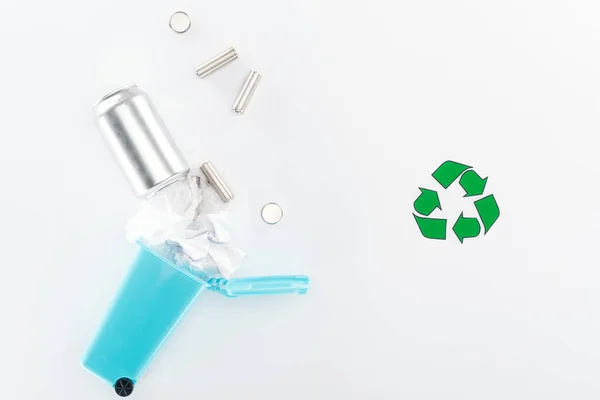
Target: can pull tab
x=260 y=285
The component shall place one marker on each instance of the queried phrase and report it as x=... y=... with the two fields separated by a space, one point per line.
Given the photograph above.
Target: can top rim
x=114 y=93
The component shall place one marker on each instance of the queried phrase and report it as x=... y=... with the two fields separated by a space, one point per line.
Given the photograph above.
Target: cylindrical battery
x=213 y=177
x=247 y=92
x=217 y=62
x=139 y=140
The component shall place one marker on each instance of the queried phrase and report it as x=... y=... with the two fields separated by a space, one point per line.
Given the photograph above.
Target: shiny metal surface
x=216 y=62
x=139 y=140
x=247 y=92
x=213 y=178
x=180 y=22
x=271 y=213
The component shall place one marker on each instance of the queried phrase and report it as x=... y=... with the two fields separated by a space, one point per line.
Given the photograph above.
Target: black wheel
x=124 y=387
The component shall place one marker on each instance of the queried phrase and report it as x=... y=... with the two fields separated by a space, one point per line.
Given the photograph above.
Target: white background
x=359 y=103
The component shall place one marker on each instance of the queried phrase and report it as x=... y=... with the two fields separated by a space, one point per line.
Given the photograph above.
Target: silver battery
x=243 y=99
x=217 y=62
x=139 y=140
x=213 y=177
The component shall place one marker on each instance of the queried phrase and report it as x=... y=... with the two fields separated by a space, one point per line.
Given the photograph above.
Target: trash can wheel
x=124 y=387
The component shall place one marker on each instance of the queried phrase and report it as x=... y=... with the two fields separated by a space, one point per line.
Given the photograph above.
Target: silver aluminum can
x=139 y=141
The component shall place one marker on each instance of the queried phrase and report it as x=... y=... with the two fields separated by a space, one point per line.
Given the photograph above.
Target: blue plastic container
x=150 y=303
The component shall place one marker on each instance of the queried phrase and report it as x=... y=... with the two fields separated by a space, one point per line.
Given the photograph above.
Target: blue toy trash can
x=152 y=300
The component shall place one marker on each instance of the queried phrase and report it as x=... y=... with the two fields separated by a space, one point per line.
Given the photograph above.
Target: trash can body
x=151 y=301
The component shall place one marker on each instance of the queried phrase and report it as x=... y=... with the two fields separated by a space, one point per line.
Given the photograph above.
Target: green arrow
x=472 y=183
x=466 y=228
x=488 y=211
x=427 y=201
x=432 y=228
x=448 y=172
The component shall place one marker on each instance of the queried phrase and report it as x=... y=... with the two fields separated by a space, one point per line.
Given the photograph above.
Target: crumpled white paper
x=193 y=225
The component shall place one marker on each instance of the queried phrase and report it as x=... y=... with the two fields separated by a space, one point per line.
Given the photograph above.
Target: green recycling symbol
x=464 y=227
